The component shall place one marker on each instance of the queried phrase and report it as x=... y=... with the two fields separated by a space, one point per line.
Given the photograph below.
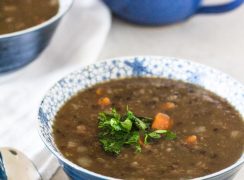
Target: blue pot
x=157 y=12
x=20 y=48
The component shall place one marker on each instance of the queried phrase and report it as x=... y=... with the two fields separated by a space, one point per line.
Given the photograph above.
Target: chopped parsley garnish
x=118 y=131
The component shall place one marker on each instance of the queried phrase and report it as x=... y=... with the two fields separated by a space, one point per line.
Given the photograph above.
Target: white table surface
x=214 y=40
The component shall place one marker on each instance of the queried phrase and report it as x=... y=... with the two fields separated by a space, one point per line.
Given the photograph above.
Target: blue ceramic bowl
x=157 y=12
x=171 y=68
x=22 y=47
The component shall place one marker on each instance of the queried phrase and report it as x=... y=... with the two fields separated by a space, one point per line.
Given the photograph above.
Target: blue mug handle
x=220 y=8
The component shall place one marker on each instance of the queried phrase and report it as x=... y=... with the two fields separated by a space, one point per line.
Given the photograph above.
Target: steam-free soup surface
x=16 y=15
x=217 y=127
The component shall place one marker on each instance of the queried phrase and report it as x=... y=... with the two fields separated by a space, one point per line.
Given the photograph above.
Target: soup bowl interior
x=171 y=68
x=22 y=47
x=64 y=6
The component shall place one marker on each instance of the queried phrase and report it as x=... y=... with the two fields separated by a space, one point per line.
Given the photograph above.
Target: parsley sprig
x=117 y=131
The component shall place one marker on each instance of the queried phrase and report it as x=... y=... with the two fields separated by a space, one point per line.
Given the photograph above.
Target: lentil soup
x=209 y=131
x=16 y=15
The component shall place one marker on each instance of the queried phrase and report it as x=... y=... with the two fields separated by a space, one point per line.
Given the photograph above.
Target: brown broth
x=16 y=15
x=218 y=126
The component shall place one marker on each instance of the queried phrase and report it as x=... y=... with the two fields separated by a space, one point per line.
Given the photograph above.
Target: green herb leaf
x=158 y=134
x=111 y=146
x=134 y=138
x=161 y=131
x=115 y=124
x=170 y=136
x=134 y=141
x=127 y=124
x=140 y=124
x=118 y=131
x=145 y=139
x=154 y=135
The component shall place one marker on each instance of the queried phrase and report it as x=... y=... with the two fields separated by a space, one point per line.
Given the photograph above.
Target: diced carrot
x=191 y=139
x=105 y=101
x=162 y=122
x=168 y=105
x=99 y=91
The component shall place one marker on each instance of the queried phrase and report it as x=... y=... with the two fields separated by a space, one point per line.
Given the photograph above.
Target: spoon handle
x=3 y=175
x=15 y=165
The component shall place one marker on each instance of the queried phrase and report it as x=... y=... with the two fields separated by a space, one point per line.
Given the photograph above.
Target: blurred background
x=215 y=40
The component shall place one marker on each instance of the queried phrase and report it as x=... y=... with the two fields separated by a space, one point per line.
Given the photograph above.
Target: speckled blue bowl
x=19 y=48
x=171 y=68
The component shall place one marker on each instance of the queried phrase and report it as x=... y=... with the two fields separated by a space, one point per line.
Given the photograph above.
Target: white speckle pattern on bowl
x=149 y=66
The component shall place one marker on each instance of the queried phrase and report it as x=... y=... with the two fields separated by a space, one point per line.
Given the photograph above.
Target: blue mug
x=157 y=12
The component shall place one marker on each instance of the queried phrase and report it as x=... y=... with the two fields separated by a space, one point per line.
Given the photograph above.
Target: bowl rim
x=61 y=12
x=237 y=164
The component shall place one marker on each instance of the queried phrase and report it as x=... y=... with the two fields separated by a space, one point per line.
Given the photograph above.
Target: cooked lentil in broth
x=210 y=132
x=16 y=15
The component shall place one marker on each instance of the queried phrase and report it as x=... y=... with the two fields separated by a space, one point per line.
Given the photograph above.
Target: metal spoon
x=15 y=165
